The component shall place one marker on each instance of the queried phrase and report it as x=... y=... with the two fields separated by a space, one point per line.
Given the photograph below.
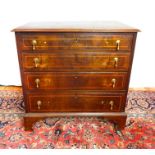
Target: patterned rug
x=77 y=132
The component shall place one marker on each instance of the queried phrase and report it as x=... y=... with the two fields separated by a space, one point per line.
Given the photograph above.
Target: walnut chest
x=75 y=69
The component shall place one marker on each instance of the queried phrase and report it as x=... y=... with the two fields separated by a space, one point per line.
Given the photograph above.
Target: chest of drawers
x=75 y=69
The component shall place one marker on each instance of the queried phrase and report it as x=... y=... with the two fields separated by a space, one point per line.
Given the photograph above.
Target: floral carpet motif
x=77 y=132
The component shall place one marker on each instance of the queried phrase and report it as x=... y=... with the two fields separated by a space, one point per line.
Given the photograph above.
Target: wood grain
x=74 y=41
x=75 y=67
x=86 y=61
x=76 y=102
x=75 y=81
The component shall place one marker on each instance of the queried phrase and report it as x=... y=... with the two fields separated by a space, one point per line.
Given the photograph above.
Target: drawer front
x=49 y=41
x=76 y=103
x=93 y=61
x=87 y=81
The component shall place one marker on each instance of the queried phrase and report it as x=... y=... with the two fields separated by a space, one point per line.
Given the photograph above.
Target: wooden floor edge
x=11 y=88
x=14 y=87
x=84 y=114
x=142 y=89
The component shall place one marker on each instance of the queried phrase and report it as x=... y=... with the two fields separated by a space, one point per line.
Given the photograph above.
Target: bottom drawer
x=76 y=102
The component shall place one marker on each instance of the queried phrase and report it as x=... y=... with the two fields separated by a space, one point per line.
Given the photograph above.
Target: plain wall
x=137 y=13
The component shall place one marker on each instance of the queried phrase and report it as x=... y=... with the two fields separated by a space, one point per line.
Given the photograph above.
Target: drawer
x=76 y=102
x=77 y=61
x=49 y=41
x=82 y=80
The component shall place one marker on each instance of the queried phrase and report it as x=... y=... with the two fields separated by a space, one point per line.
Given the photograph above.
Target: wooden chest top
x=102 y=26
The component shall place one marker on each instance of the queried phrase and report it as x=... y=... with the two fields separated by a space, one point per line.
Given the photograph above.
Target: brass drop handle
x=117 y=45
x=111 y=105
x=34 y=43
x=102 y=102
x=39 y=104
x=37 y=81
x=113 y=83
x=36 y=62
x=76 y=40
x=115 y=62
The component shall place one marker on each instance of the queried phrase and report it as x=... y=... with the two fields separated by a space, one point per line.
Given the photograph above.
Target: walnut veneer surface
x=75 y=69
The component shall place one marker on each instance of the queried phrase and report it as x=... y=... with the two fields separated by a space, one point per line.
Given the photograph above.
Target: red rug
x=77 y=132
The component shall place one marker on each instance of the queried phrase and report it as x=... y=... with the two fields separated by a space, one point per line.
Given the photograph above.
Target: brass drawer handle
x=39 y=104
x=111 y=105
x=115 y=62
x=117 y=45
x=76 y=40
x=36 y=62
x=37 y=81
x=113 y=83
x=102 y=102
x=34 y=43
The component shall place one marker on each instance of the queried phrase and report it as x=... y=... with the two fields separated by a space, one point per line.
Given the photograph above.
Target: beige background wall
x=140 y=14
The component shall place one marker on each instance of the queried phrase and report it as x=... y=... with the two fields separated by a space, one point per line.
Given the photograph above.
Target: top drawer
x=66 y=41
